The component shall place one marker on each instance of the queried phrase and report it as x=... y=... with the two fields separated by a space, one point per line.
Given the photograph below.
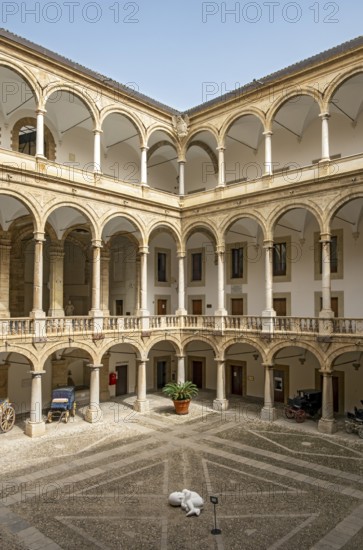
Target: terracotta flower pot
x=182 y=406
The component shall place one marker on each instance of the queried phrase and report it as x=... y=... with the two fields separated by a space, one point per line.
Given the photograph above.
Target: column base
x=268 y=414
x=145 y=185
x=40 y=158
x=327 y=426
x=181 y=312
x=220 y=312
x=93 y=414
x=34 y=429
x=141 y=406
x=220 y=404
x=221 y=186
x=56 y=313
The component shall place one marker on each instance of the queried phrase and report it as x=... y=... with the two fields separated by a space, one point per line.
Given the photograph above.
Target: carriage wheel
x=360 y=433
x=73 y=410
x=289 y=413
x=66 y=417
x=300 y=417
x=348 y=428
x=7 y=419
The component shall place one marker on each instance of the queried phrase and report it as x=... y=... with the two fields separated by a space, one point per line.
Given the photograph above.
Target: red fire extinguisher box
x=112 y=379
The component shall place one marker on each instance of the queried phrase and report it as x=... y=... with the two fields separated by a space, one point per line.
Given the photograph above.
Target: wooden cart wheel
x=8 y=419
x=289 y=413
x=300 y=416
x=360 y=433
x=66 y=417
x=73 y=410
x=348 y=428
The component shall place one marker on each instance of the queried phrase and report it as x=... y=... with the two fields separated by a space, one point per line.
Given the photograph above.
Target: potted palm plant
x=181 y=393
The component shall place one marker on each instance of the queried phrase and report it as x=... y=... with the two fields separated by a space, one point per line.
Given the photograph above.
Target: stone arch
x=280 y=210
x=27 y=75
x=157 y=126
x=279 y=103
x=35 y=364
x=246 y=341
x=132 y=117
x=167 y=226
x=50 y=146
x=202 y=226
x=157 y=146
x=341 y=201
x=84 y=210
x=132 y=219
x=200 y=338
x=333 y=355
x=278 y=346
x=208 y=150
x=170 y=338
x=231 y=119
x=204 y=128
x=122 y=340
x=57 y=346
x=338 y=81
x=92 y=109
x=255 y=216
x=26 y=201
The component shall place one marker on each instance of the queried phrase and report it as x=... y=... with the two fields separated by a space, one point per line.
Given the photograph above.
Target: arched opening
x=162 y=163
x=201 y=169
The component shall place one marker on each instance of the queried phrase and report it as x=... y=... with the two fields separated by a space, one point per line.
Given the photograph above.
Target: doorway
x=197 y=306
x=237 y=306
x=236 y=380
x=162 y=306
x=121 y=382
x=119 y=308
x=279 y=305
x=161 y=373
x=197 y=372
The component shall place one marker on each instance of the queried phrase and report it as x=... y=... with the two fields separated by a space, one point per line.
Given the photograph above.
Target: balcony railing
x=67 y=327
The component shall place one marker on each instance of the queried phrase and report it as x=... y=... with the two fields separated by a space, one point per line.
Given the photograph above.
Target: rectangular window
x=279 y=259
x=236 y=263
x=162 y=270
x=333 y=255
x=196 y=266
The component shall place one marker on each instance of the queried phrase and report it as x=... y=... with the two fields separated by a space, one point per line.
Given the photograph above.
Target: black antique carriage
x=63 y=404
x=307 y=403
x=7 y=415
x=354 y=422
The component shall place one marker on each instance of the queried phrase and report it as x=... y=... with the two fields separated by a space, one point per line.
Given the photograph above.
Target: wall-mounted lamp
x=255 y=356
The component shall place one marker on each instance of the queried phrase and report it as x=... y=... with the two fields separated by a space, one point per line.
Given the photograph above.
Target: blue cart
x=63 y=404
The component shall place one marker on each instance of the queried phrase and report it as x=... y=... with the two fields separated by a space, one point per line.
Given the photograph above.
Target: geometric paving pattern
x=279 y=485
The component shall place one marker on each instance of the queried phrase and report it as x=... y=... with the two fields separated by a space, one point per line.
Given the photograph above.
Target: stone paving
x=106 y=485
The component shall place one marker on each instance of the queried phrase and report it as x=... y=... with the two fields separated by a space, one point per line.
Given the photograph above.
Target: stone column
x=56 y=258
x=138 y=283
x=221 y=167
x=221 y=283
x=141 y=404
x=326 y=310
x=93 y=412
x=325 y=153
x=38 y=276
x=144 y=151
x=104 y=376
x=220 y=403
x=5 y=249
x=97 y=152
x=268 y=312
x=181 y=284
x=327 y=423
x=39 y=146
x=143 y=251
x=181 y=368
x=105 y=281
x=35 y=426
x=269 y=412
x=96 y=278
x=268 y=153
x=181 y=177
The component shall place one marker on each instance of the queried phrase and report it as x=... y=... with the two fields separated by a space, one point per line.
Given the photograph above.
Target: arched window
x=24 y=137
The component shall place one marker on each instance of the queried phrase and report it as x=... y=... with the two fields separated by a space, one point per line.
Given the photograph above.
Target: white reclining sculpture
x=189 y=501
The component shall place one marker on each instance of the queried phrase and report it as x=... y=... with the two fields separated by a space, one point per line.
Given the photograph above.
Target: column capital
x=142 y=360
x=221 y=148
x=56 y=251
x=92 y=366
x=40 y=111
x=181 y=254
x=37 y=372
x=144 y=148
x=268 y=244
x=39 y=236
x=97 y=243
x=182 y=160
x=180 y=356
x=97 y=131
x=143 y=250
x=219 y=359
x=325 y=115
x=220 y=249
x=268 y=365
x=325 y=238
x=267 y=133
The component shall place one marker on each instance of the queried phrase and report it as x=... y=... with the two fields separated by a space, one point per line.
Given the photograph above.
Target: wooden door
x=237 y=306
x=236 y=380
x=121 y=383
x=334 y=304
x=197 y=373
x=279 y=386
x=279 y=305
x=161 y=374
x=162 y=307
x=197 y=307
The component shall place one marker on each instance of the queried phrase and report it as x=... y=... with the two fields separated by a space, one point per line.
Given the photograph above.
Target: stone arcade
x=221 y=245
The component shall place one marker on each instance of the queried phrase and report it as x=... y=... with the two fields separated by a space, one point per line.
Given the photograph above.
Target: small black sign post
x=215 y=531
